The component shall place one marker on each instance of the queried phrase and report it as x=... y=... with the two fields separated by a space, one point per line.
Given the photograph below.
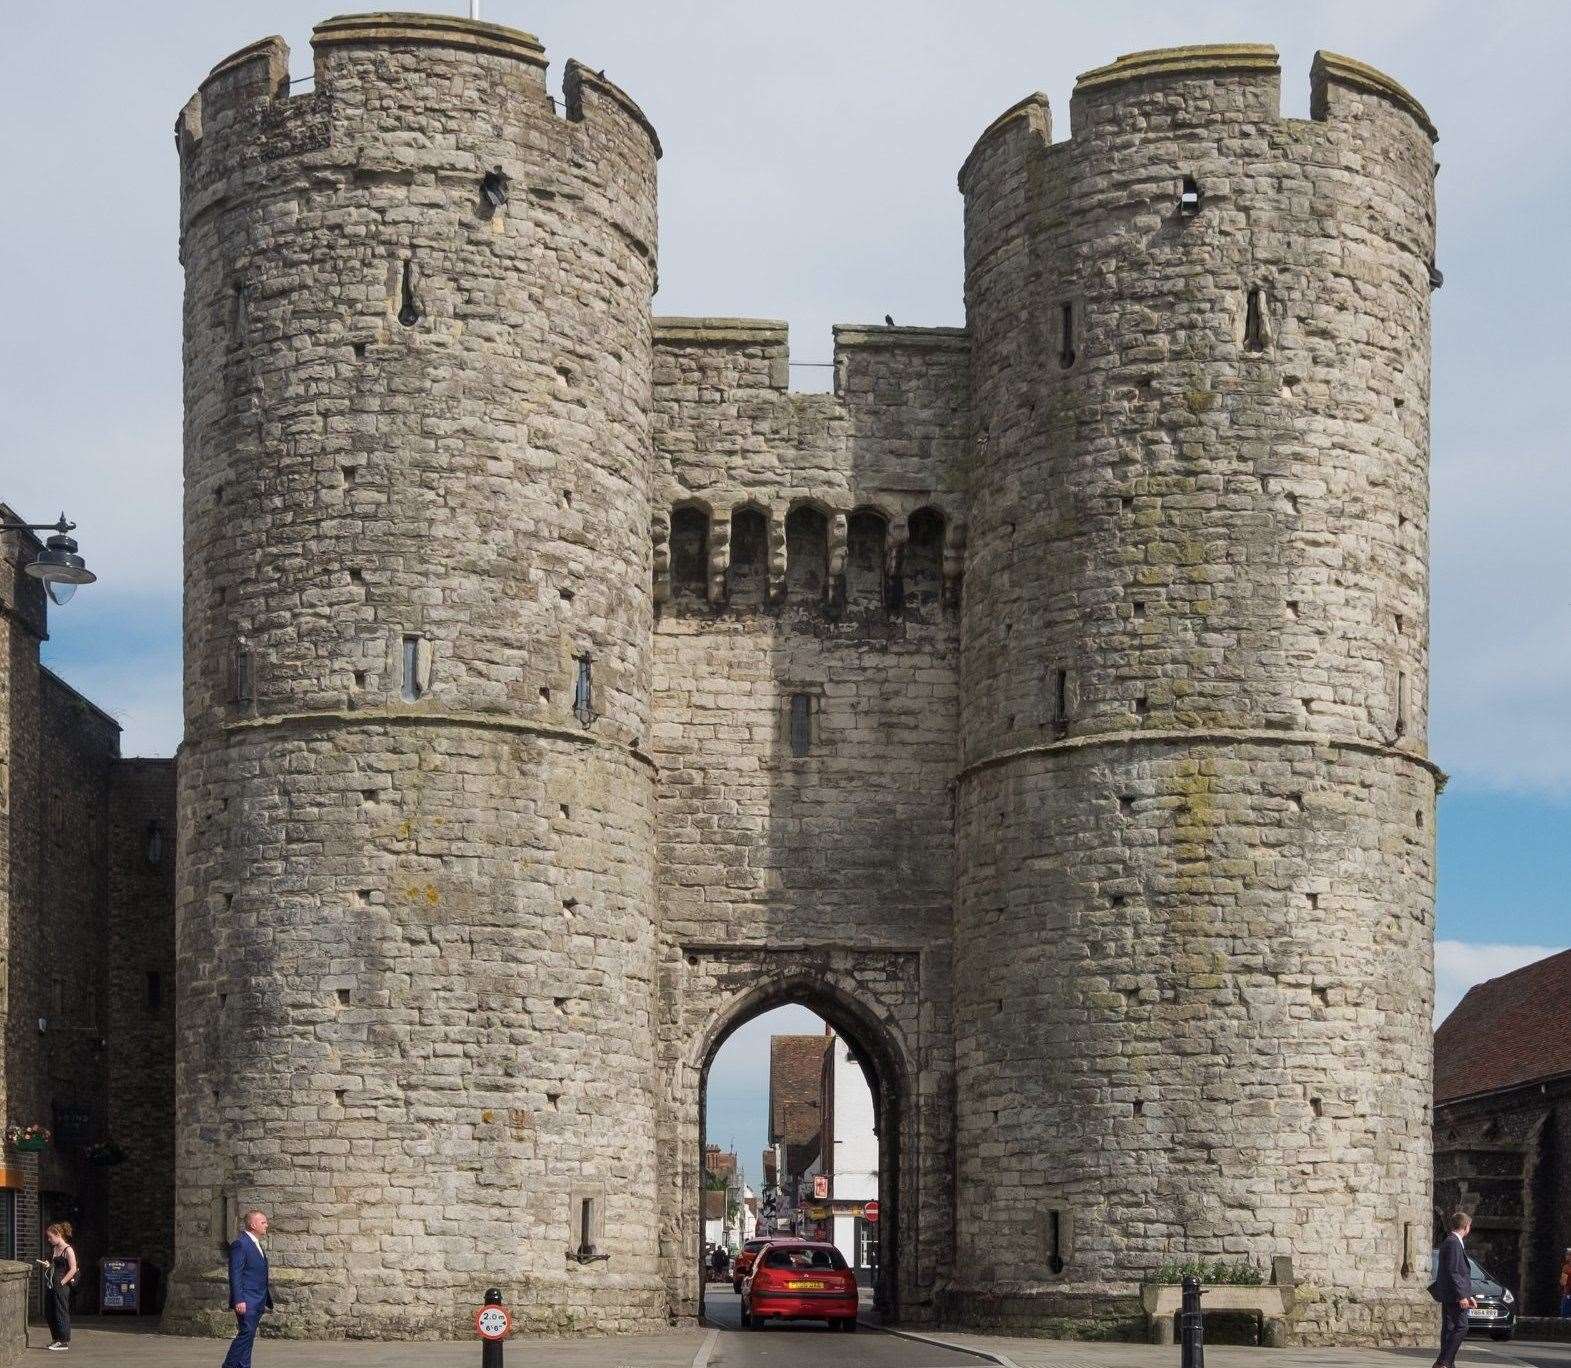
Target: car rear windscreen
x=820 y=1259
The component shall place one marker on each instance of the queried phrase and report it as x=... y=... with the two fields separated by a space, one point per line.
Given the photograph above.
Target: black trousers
x=1453 y=1331
x=57 y=1307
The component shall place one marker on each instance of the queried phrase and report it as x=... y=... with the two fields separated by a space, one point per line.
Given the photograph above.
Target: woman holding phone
x=60 y=1271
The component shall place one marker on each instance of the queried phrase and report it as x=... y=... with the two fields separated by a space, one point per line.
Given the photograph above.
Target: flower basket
x=29 y=1138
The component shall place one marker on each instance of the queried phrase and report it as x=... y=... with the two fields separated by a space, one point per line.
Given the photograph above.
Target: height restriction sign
x=492 y=1322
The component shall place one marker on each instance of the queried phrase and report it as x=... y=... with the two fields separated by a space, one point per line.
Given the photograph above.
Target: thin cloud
x=810 y=174
x=1461 y=964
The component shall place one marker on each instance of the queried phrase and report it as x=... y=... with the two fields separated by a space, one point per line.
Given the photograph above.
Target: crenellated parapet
x=244 y=118
x=843 y=481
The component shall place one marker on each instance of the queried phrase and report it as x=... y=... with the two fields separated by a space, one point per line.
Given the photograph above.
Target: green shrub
x=1219 y=1273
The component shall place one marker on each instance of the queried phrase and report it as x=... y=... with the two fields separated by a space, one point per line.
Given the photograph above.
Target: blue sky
x=809 y=175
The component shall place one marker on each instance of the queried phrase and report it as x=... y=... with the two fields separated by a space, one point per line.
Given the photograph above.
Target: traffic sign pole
x=492 y=1324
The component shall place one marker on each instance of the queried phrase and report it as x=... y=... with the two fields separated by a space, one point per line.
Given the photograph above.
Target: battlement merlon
x=1339 y=87
x=260 y=71
x=755 y=352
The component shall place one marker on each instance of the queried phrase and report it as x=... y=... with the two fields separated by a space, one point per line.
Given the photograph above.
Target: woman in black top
x=60 y=1273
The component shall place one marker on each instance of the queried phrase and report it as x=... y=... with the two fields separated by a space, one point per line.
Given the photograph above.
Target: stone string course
x=1101 y=825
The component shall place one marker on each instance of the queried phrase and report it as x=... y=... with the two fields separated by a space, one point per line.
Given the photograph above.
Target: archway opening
x=799 y=1138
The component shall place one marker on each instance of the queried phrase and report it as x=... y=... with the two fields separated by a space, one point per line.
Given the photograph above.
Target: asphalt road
x=783 y=1344
x=1540 y=1354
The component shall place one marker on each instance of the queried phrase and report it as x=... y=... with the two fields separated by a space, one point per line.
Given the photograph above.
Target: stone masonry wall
x=849 y=845
x=1194 y=903
x=416 y=946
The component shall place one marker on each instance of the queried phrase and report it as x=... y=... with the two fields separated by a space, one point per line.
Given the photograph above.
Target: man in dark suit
x=250 y=1292
x=1453 y=1289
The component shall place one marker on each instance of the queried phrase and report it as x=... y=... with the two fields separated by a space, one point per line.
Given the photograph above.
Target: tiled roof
x=1507 y=1031
x=796 y=1065
x=714 y=1204
x=795 y=1070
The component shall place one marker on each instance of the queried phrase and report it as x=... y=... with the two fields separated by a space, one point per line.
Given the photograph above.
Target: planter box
x=1271 y=1302
x=30 y=1146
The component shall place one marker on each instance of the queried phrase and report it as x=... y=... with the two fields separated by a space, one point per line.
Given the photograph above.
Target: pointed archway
x=871 y=998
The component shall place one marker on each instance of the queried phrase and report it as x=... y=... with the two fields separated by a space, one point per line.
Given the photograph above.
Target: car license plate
x=1485 y=1313
x=805 y=1286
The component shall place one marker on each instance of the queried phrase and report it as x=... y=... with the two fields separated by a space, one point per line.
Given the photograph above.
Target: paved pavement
x=128 y=1343
x=1013 y=1352
x=125 y=1343
x=1543 y=1355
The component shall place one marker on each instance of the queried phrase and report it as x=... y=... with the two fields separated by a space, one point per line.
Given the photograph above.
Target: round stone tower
x=1194 y=910
x=415 y=926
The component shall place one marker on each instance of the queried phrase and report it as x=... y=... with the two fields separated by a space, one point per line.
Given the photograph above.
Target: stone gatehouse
x=1045 y=705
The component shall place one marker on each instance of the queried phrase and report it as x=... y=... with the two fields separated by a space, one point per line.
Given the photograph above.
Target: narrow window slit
x=1256 y=332
x=583 y=690
x=409 y=302
x=413 y=685
x=1066 y=335
x=801 y=724
x=245 y=682
x=1401 y=702
x=1189 y=198
x=1058 y=702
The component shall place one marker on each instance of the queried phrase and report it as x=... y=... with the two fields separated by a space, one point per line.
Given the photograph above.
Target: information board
x=120 y=1285
x=73 y=1122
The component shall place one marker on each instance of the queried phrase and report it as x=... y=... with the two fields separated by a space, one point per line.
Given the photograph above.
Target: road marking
x=701 y=1358
x=986 y=1355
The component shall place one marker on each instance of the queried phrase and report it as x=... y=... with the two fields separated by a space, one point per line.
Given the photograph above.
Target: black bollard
x=1194 y=1327
x=491 y=1350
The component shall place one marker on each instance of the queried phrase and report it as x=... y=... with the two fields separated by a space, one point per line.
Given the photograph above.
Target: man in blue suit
x=1453 y=1289
x=250 y=1293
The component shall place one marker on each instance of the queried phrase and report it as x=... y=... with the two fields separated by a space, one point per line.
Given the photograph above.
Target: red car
x=799 y=1280
x=742 y=1265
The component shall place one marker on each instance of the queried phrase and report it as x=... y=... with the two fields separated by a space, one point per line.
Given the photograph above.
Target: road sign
x=820 y=1185
x=870 y=1213
x=493 y=1322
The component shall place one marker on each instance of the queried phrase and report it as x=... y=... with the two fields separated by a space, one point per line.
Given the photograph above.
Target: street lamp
x=58 y=564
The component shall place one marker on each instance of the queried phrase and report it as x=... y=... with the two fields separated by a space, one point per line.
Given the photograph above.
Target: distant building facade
x=796 y=1064
x=1503 y=1126
x=87 y=976
x=848 y=1159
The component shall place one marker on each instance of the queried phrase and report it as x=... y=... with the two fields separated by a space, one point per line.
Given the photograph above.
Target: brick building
x=87 y=920
x=1503 y=1126
x=795 y=1102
